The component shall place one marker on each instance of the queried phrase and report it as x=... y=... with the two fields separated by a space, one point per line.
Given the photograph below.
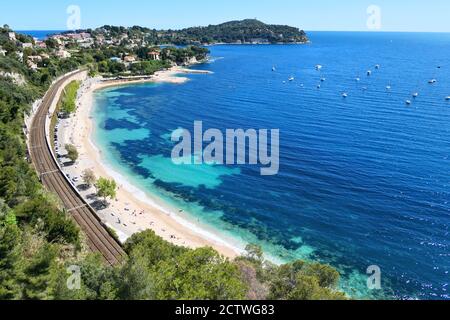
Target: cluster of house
x=33 y=61
x=128 y=59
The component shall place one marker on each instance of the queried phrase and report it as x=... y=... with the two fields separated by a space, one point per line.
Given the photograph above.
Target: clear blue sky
x=348 y=15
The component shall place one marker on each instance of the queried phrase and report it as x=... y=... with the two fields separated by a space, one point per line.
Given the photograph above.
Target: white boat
x=318 y=86
x=408 y=102
x=323 y=80
x=369 y=72
x=274 y=69
x=377 y=66
x=432 y=81
x=447 y=98
x=344 y=95
x=319 y=67
x=388 y=88
x=291 y=79
x=358 y=79
x=415 y=94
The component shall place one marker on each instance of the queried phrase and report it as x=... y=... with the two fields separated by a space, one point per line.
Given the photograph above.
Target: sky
x=312 y=15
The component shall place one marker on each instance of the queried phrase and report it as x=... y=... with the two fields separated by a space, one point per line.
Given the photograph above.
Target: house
x=12 y=36
x=154 y=55
x=2 y=52
x=27 y=45
x=33 y=66
x=129 y=59
x=63 y=54
x=41 y=44
x=35 y=59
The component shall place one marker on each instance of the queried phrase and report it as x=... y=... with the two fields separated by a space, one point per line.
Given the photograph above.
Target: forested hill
x=246 y=31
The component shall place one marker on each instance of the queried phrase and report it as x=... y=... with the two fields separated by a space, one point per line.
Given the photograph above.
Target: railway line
x=55 y=181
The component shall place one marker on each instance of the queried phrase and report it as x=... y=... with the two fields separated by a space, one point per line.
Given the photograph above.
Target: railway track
x=54 y=180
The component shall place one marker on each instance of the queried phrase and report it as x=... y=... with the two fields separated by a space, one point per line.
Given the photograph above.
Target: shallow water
x=363 y=181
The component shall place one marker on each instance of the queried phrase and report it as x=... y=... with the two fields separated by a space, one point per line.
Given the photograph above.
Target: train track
x=54 y=180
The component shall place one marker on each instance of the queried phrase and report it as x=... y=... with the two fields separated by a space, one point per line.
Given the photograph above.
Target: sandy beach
x=133 y=210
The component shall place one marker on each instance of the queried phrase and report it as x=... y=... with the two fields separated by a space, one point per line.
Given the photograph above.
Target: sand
x=133 y=210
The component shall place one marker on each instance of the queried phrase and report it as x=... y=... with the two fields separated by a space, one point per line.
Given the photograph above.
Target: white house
x=63 y=54
x=12 y=36
x=2 y=52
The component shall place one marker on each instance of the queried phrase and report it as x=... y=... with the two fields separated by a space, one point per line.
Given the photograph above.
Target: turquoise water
x=363 y=180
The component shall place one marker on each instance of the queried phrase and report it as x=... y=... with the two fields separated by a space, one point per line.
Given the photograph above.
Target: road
x=54 y=180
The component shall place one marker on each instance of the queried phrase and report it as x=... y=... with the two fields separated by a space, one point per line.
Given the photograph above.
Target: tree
x=72 y=152
x=89 y=177
x=106 y=188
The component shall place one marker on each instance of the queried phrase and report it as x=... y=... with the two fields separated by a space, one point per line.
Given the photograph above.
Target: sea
x=364 y=180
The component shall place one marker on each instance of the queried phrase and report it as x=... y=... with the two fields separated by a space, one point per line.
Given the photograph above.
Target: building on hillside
x=116 y=59
x=27 y=45
x=31 y=65
x=154 y=55
x=41 y=44
x=12 y=36
x=2 y=52
x=129 y=59
x=63 y=54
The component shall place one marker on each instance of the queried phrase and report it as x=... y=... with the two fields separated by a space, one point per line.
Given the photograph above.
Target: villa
x=154 y=55
x=63 y=54
x=2 y=52
x=129 y=59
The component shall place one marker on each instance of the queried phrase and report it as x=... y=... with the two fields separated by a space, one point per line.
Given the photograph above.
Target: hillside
x=245 y=31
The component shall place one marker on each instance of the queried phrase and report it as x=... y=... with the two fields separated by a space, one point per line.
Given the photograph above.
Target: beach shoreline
x=133 y=210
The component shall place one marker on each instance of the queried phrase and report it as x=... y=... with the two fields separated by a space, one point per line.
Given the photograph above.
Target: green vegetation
x=89 y=177
x=39 y=240
x=245 y=31
x=106 y=188
x=72 y=152
x=68 y=98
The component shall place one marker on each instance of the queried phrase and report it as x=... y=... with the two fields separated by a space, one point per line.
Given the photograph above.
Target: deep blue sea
x=363 y=180
x=40 y=34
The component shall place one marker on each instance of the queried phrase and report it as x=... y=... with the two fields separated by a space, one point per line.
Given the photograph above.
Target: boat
x=447 y=98
x=377 y=66
x=432 y=81
x=369 y=73
x=358 y=79
x=291 y=79
x=415 y=94
x=408 y=102
x=318 y=86
x=323 y=80
x=344 y=95
x=274 y=69
x=388 y=88
x=319 y=67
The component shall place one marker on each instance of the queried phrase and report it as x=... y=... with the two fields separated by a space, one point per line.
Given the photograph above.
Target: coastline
x=133 y=210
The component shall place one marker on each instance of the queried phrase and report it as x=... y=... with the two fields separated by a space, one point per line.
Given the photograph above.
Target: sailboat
x=319 y=67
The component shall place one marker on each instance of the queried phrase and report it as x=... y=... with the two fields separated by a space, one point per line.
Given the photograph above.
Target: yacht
x=358 y=79
x=274 y=69
x=377 y=66
x=291 y=79
x=323 y=80
x=432 y=81
x=415 y=94
x=319 y=67
x=408 y=102
x=369 y=73
x=447 y=98
x=344 y=95
x=388 y=88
